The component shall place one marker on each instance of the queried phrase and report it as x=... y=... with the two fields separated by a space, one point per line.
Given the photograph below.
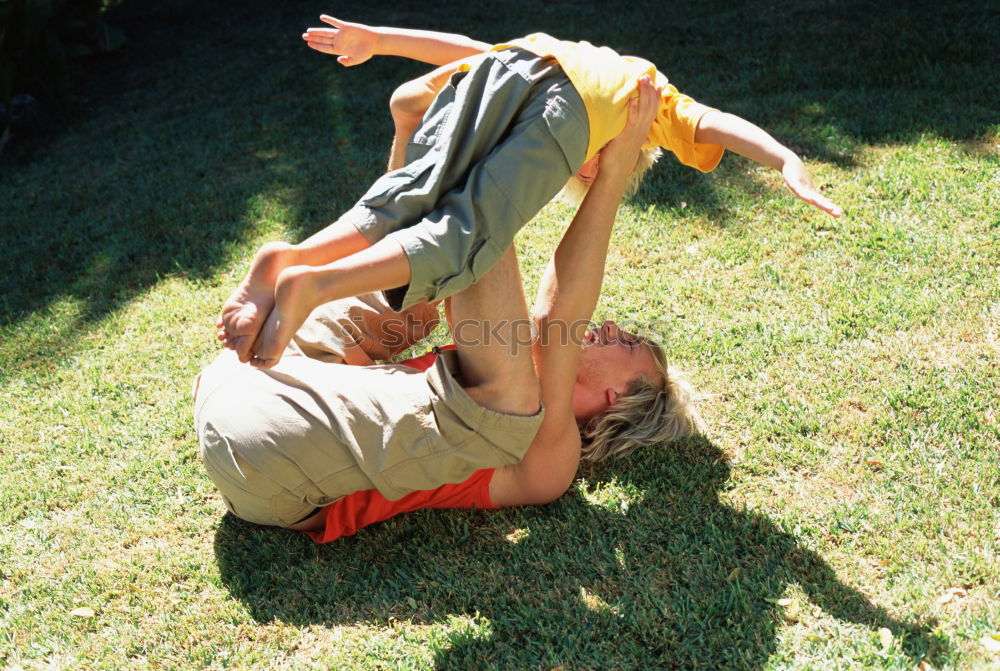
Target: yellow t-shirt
x=606 y=80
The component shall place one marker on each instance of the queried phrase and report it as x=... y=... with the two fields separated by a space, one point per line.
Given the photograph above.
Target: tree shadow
x=826 y=77
x=176 y=152
x=210 y=126
x=814 y=66
x=674 y=579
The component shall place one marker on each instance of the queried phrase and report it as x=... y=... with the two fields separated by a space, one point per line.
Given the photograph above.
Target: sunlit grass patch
x=847 y=482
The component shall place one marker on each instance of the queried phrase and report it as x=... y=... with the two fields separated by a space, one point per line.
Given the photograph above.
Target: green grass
x=848 y=477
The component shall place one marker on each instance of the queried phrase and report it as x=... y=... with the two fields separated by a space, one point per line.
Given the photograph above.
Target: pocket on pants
x=570 y=132
x=388 y=186
x=288 y=509
x=436 y=117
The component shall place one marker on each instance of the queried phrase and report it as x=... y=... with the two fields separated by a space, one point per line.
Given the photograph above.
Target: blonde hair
x=575 y=189
x=647 y=414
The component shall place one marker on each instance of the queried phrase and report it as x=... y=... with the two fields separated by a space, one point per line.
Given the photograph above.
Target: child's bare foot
x=295 y=296
x=243 y=314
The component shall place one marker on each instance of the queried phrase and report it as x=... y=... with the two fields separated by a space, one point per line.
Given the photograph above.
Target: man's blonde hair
x=647 y=414
x=575 y=189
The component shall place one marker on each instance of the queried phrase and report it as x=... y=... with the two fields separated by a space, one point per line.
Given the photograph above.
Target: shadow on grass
x=212 y=128
x=198 y=138
x=676 y=580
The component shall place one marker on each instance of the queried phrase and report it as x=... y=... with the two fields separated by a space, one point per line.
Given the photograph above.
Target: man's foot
x=244 y=313
x=294 y=299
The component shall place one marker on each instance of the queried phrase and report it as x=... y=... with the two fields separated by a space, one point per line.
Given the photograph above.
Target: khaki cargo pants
x=279 y=443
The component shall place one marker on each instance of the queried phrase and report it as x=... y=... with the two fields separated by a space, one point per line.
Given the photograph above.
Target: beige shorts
x=278 y=443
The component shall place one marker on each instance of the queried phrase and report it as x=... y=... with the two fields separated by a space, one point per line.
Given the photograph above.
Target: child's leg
x=408 y=104
x=509 y=144
x=299 y=289
x=244 y=312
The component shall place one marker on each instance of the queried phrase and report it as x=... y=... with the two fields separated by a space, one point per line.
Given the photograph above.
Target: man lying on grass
x=506 y=130
x=501 y=420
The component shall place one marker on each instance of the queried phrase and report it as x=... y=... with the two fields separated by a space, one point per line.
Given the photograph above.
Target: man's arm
x=571 y=284
x=746 y=139
x=566 y=300
x=355 y=43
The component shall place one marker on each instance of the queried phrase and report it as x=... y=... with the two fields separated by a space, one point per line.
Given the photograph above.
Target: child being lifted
x=485 y=141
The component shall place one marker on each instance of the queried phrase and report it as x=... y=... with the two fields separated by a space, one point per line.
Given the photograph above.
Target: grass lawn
x=840 y=512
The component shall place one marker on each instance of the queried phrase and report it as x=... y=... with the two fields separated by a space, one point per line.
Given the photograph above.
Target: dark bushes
x=39 y=39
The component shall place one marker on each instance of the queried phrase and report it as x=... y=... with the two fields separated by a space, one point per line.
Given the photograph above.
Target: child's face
x=588 y=171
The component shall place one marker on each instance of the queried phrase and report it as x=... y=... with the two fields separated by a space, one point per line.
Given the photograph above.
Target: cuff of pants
x=436 y=272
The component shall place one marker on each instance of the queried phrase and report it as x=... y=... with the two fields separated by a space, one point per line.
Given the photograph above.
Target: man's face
x=612 y=357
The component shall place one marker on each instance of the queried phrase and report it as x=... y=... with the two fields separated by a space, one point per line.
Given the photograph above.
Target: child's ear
x=612 y=396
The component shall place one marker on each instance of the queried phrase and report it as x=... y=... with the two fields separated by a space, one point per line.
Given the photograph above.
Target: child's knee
x=409 y=101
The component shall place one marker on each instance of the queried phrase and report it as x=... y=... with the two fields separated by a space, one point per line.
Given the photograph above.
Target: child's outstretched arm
x=355 y=43
x=746 y=139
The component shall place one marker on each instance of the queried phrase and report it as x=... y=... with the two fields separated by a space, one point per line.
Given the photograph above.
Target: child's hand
x=621 y=153
x=798 y=180
x=352 y=43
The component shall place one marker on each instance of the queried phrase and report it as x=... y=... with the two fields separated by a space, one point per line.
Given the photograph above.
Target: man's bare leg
x=493 y=334
x=493 y=341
